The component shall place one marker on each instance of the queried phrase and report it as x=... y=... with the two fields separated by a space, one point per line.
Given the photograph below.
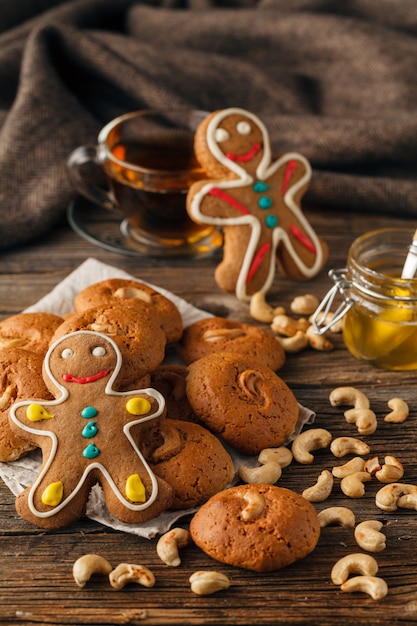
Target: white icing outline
x=264 y=170
x=95 y=465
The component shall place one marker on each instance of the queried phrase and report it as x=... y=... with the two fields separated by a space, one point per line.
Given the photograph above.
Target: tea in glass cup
x=149 y=164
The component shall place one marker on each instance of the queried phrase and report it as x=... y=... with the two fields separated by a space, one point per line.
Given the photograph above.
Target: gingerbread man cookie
x=256 y=201
x=90 y=433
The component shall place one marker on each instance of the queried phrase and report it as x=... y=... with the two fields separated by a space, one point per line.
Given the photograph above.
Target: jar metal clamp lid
x=342 y=285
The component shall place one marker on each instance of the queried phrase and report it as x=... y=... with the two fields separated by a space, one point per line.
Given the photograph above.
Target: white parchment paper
x=21 y=473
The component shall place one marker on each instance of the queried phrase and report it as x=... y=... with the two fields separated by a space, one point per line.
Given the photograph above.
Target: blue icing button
x=265 y=202
x=89 y=430
x=271 y=221
x=260 y=186
x=89 y=411
x=91 y=451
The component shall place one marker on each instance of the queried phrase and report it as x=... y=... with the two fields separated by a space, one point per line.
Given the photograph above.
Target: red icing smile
x=69 y=378
x=243 y=158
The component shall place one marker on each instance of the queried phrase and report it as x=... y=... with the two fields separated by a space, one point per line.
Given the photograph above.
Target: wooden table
x=36 y=583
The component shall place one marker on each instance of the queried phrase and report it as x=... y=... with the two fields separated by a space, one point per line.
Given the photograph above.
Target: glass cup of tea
x=147 y=158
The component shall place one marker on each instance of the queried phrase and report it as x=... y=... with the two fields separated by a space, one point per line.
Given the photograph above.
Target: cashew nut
x=395 y=495
x=318 y=342
x=128 y=573
x=309 y=440
x=261 y=311
x=349 y=396
x=352 y=485
x=17 y=342
x=391 y=472
x=304 y=305
x=204 y=583
x=172 y=443
x=399 y=411
x=368 y=537
x=324 y=320
x=365 y=420
x=357 y=464
x=375 y=587
x=6 y=399
x=321 y=490
x=281 y=455
x=287 y=326
x=268 y=473
x=337 y=515
x=87 y=565
x=211 y=335
x=345 y=445
x=356 y=563
x=372 y=465
x=294 y=344
x=128 y=293
x=169 y=543
x=255 y=505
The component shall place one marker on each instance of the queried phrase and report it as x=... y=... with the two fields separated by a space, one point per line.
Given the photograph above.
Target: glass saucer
x=104 y=229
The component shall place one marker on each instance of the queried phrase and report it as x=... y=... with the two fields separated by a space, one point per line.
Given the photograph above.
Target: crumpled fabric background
x=336 y=81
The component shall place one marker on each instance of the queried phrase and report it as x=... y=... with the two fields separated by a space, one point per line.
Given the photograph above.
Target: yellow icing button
x=53 y=494
x=36 y=413
x=138 y=406
x=135 y=489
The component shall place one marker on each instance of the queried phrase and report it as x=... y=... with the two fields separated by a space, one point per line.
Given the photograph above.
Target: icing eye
x=67 y=353
x=221 y=134
x=98 y=351
x=243 y=128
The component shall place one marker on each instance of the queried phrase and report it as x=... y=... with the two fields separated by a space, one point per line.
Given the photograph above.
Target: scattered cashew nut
x=305 y=304
x=261 y=311
x=324 y=320
x=282 y=456
x=87 y=565
x=356 y=563
x=204 y=583
x=352 y=485
x=337 y=515
x=349 y=396
x=392 y=470
x=169 y=543
x=346 y=445
x=129 y=573
x=287 y=326
x=368 y=536
x=374 y=586
x=399 y=411
x=395 y=495
x=357 y=464
x=372 y=465
x=307 y=441
x=321 y=490
x=318 y=342
x=365 y=420
x=295 y=343
x=268 y=473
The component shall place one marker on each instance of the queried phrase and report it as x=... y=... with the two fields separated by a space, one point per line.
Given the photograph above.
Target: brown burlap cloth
x=335 y=80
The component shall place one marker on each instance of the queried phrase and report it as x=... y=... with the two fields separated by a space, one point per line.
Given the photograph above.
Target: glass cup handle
x=82 y=164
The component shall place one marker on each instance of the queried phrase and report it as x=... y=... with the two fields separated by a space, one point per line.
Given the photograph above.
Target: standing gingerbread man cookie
x=90 y=433
x=256 y=202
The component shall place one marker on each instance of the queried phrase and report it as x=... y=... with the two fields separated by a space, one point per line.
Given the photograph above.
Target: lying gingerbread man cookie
x=89 y=433
x=256 y=202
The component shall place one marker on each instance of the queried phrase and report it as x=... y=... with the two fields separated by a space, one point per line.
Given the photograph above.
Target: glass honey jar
x=378 y=307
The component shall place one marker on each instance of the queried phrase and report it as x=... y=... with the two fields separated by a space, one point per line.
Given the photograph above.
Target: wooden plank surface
x=36 y=584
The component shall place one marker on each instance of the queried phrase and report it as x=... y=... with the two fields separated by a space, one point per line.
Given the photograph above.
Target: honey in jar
x=379 y=307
